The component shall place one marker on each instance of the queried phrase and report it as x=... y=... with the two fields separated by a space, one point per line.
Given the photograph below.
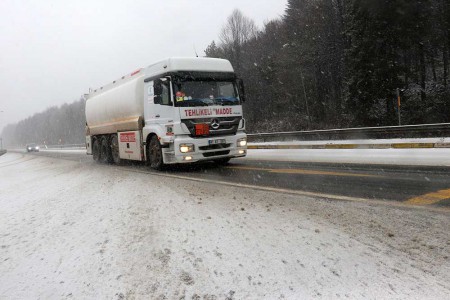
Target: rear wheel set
x=101 y=150
x=105 y=149
x=96 y=150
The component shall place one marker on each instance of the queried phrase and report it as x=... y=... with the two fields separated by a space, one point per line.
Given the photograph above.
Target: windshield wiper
x=224 y=101
x=193 y=102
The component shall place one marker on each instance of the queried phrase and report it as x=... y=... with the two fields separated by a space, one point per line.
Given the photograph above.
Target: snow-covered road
x=88 y=231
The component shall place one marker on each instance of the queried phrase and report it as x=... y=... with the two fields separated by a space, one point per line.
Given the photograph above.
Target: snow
x=391 y=156
x=72 y=151
x=411 y=156
x=89 y=231
x=406 y=157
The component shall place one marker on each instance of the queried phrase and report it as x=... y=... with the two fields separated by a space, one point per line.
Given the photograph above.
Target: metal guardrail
x=385 y=132
x=67 y=146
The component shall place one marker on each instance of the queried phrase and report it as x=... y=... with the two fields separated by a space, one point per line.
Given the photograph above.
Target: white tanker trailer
x=179 y=110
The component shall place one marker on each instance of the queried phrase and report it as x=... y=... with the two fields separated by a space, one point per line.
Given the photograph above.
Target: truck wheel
x=105 y=148
x=96 y=150
x=115 y=150
x=222 y=161
x=154 y=153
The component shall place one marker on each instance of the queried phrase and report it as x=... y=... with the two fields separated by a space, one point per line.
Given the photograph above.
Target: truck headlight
x=185 y=148
x=242 y=142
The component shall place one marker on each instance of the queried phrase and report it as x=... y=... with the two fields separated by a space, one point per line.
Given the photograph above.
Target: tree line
x=55 y=126
x=323 y=64
x=339 y=63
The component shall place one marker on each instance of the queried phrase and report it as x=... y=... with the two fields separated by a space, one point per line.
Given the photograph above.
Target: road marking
x=256 y=187
x=273 y=189
x=412 y=145
x=349 y=146
x=430 y=198
x=303 y=171
x=289 y=191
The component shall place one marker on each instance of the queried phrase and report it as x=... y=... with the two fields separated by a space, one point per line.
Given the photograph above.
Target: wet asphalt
x=419 y=185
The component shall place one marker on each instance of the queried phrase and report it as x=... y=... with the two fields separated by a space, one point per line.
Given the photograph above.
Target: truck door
x=158 y=108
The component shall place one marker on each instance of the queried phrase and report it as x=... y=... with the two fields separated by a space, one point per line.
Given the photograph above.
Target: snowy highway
x=400 y=176
x=74 y=229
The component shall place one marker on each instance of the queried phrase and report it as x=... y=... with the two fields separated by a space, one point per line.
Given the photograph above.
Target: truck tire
x=154 y=154
x=105 y=150
x=96 y=150
x=115 y=150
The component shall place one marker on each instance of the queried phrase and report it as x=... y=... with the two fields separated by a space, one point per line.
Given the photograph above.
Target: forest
x=339 y=63
x=55 y=126
x=323 y=64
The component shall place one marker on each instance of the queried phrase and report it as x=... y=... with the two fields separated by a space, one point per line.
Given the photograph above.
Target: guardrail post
x=398 y=107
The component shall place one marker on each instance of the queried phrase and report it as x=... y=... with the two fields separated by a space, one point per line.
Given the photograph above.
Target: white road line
x=296 y=192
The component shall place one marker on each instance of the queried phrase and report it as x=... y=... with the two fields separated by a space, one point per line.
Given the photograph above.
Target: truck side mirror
x=241 y=89
x=158 y=90
x=157 y=87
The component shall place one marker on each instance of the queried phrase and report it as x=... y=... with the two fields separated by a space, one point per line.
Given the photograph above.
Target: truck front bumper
x=204 y=149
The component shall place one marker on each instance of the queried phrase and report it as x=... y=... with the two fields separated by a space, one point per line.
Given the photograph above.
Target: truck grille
x=228 y=125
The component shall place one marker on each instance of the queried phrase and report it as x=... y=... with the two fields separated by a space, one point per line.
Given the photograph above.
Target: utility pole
x=306 y=100
x=398 y=107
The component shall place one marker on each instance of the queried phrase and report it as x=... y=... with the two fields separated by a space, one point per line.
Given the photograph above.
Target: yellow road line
x=350 y=146
x=302 y=171
x=430 y=198
x=341 y=146
x=412 y=145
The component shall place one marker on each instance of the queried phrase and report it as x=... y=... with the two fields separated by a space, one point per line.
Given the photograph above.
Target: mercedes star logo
x=215 y=124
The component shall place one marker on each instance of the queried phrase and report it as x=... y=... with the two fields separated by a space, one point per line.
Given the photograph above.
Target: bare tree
x=238 y=30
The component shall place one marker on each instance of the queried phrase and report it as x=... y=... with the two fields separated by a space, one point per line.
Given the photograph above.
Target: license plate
x=214 y=142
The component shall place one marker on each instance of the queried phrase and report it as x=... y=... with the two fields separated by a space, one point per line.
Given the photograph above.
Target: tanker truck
x=178 y=110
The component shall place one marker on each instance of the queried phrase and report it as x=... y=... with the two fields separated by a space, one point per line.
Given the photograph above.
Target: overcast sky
x=53 y=51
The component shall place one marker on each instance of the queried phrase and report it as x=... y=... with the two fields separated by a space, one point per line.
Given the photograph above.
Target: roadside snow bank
x=406 y=157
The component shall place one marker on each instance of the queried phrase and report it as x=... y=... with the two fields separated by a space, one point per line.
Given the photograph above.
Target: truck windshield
x=205 y=93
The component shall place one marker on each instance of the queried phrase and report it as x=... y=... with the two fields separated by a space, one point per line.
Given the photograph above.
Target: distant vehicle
x=32 y=148
x=179 y=110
